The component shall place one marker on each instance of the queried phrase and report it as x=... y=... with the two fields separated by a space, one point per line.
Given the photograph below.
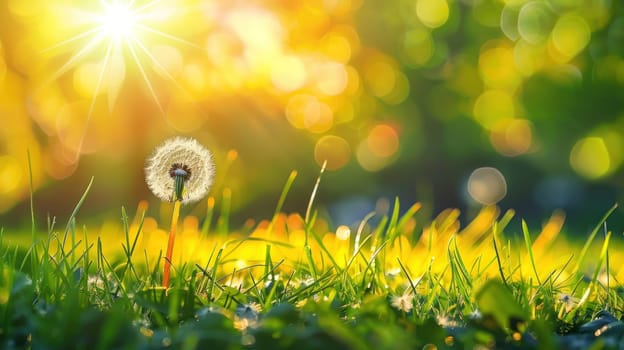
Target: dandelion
x=403 y=302
x=475 y=315
x=446 y=321
x=181 y=170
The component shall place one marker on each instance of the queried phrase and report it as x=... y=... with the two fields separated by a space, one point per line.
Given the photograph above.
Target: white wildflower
x=446 y=321
x=475 y=315
x=184 y=159
x=404 y=302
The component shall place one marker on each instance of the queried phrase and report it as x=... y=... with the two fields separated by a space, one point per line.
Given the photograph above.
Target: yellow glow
x=307 y=112
x=322 y=122
x=301 y=108
x=432 y=13
x=10 y=174
x=492 y=106
x=380 y=77
x=3 y=67
x=336 y=47
x=170 y=61
x=183 y=119
x=590 y=157
x=570 y=35
x=331 y=78
x=260 y=33
x=288 y=73
x=195 y=77
x=85 y=79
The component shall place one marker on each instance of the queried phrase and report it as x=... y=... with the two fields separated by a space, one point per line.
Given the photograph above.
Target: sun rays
x=109 y=41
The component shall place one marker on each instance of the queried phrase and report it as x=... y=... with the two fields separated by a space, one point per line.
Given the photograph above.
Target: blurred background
x=455 y=103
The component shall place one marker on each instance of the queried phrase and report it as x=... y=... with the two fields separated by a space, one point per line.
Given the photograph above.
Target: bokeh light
x=535 y=21
x=332 y=149
x=492 y=106
x=432 y=13
x=418 y=90
x=288 y=73
x=590 y=157
x=343 y=232
x=512 y=137
x=379 y=148
x=570 y=36
x=487 y=185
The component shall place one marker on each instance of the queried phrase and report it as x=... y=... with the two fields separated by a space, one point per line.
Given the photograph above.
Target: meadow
x=458 y=173
x=291 y=281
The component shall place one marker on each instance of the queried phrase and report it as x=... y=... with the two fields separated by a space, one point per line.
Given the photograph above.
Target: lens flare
x=118 y=21
x=114 y=38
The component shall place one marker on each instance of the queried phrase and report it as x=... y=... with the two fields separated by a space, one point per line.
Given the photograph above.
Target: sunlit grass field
x=292 y=281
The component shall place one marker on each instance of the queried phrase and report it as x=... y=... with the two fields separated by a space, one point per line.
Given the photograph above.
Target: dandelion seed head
x=403 y=302
x=183 y=157
x=446 y=321
x=475 y=315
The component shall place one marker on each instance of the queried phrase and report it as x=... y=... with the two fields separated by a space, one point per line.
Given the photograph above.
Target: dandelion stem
x=172 y=233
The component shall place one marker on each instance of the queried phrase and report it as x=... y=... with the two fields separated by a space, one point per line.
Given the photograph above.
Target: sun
x=118 y=21
x=117 y=36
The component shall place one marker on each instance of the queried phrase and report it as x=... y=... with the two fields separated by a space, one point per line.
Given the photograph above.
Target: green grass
x=389 y=286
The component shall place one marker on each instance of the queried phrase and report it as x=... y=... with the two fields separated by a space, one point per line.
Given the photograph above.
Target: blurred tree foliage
x=406 y=97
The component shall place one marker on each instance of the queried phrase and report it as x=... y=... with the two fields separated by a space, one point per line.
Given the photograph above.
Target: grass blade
x=590 y=239
x=529 y=247
x=75 y=211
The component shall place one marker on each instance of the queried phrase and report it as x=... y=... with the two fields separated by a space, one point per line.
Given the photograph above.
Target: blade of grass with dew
x=590 y=239
x=407 y=275
x=313 y=194
x=309 y=219
x=529 y=247
x=128 y=247
x=371 y=266
x=378 y=233
x=213 y=274
x=210 y=203
x=408 y=215
x=204 y=285
x=282 y=199
x=459 y=277
x=498 y=261
x=76 y=208
x=358 y=235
